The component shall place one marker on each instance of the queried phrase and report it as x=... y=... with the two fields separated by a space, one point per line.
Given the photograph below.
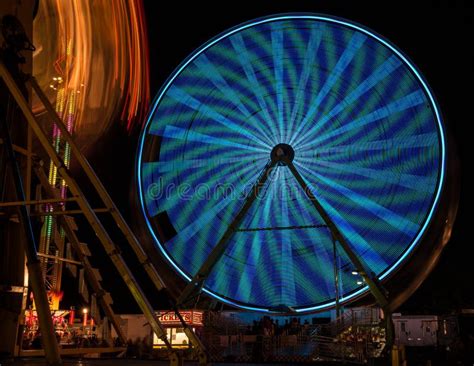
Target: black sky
x=436 y=35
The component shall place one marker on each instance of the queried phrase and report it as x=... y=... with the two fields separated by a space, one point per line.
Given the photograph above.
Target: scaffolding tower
x=59 y=224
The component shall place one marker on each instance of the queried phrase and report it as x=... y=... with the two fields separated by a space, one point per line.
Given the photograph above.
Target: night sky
x=436 y=35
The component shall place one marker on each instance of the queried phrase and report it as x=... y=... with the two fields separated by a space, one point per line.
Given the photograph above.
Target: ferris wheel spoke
x=210 y=71
x=423 y=140
x=326 y=264
x=382 y=72
x=354 y=45
x=308 y=67
x=210 y=236
x=185 y=98
x=277 y=47
x=206 y=266
x=313 y=262
x=250 y=249
x=311 y=284
x=319 y=244
x=186 y=164
x=171 y=194
x=359 y=244
x=409 y=101
x=246 y=282
x=392 y=218
x=178 y=133
x=245 y=285
x=180 y=240
x=389 y=136
x=244 y=58
x=416 y=182
x=193 y=175
x=265 y=204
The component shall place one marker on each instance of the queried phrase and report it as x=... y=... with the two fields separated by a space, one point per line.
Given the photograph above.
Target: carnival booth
x=174 y=330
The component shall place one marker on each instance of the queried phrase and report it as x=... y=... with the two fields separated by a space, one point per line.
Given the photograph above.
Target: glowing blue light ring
x=249 y=24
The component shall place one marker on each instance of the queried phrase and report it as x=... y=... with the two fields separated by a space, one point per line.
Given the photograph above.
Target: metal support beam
x=143 y=258
x=111 y=249
x=29 y=161
x=68 y=212
x=110 y=207
x=18 y=149
x=109 y=204
x=296 y=227
x=60 y=259
x=100 y=189
x=76 y=246
x=361 y=267
x=195 y=286
x=36 y=202
x=369 y=277
x=33 y=263
x=336 y=277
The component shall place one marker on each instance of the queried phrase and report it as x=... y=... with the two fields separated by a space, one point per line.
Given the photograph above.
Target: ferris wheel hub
x=282 y=152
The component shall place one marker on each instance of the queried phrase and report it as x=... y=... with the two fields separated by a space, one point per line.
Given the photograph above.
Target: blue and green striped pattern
x=368 y=140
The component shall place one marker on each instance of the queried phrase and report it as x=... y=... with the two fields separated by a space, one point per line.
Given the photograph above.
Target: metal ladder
x=89 y=213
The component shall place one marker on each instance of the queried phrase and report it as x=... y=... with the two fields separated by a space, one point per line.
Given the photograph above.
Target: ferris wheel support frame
x=375 y=287
x=194 y=287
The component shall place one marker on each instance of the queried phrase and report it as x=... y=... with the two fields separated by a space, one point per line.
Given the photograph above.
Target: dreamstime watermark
x=281 y=191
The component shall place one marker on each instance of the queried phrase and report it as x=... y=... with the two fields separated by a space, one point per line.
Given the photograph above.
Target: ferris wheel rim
x=319 y=17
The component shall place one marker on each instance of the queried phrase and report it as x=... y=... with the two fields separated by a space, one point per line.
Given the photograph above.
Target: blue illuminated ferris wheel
x=292 y=162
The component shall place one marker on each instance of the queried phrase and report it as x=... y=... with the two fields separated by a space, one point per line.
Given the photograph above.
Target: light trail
x=92 y=63
x=100 y=50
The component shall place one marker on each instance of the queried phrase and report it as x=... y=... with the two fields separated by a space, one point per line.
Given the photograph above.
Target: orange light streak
x=99 y=49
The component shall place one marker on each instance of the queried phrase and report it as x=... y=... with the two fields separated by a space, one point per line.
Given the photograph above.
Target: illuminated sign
x=175 y=332
x=191 y=317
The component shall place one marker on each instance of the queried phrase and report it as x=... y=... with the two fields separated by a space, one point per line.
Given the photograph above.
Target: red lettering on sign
x=190 y=317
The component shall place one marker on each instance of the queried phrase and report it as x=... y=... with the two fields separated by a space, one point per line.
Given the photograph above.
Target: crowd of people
x=70 y=339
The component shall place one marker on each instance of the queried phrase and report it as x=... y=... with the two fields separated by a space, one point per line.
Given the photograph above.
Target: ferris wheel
x=293 y=162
